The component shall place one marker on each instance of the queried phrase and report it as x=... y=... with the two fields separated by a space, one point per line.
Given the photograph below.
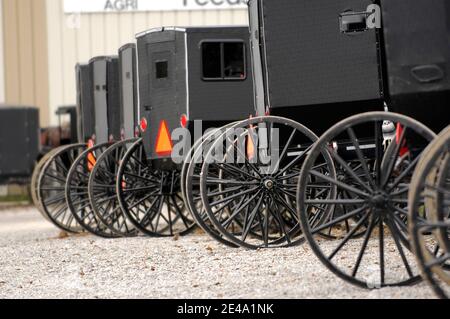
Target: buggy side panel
x=99 y=76
x=219 y=100
x=85 y=104
x=128 y=90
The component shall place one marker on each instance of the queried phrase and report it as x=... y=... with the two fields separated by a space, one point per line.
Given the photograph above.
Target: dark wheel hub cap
x=380 y=201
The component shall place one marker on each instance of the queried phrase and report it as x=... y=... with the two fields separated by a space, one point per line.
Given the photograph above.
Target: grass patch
x=15 y=199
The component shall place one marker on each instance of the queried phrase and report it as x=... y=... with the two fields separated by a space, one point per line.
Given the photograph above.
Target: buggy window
x=223 y=61
x=162 y=69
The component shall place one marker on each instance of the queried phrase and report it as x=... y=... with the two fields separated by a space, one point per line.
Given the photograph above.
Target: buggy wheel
x=376 y=199
x=77 y=192
x=102 y=190
x=51 y=188
x=243 y=182
x=429 y=215
x=151 y=198
x=35 y=180
x=191 y=179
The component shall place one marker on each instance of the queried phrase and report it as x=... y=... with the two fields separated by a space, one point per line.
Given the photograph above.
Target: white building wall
x=77 y=38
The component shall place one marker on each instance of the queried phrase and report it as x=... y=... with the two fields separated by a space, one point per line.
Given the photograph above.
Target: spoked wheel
x=375 y=199
x=77 y=192
x=249 y=181
x=429 y=218
x=151 y=198
x=51 y=187
x=191 y=186
x=35 y=180
x=102 y=190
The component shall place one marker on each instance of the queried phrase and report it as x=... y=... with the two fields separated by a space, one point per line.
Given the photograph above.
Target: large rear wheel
x=249 y=181
x=77 y=192
x=51 y=188
x=102 y=190
x=151 y=198
x=429 y=214
x=375 y=201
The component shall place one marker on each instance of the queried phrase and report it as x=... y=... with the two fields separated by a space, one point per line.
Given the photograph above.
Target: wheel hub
x=380 y=201
x=269 y=184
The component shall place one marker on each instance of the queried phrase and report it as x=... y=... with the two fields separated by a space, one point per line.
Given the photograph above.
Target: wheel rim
x=51 y=188
x=255 y=196
x=102 y=185
x=430 y=236
x=377 y=202
x=150 y=198
x=77 y=192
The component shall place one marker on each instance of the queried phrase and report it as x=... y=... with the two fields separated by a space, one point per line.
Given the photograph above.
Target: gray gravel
x=36 y=263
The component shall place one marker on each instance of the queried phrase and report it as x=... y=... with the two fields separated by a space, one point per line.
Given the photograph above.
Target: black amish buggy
x=104 y=77
x=50 y=176
x=185 y=75
x=315 y=64
x=63 y=180
x=19 y=143
x=102 y=181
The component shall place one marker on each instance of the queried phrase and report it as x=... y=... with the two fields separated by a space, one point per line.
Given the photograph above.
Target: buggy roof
x=191 y=29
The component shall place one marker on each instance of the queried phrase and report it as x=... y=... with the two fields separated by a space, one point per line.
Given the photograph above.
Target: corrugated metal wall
x=25 y=54
x=78 y=38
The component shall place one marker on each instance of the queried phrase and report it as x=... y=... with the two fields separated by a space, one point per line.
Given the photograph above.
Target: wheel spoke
x=359 y=153
x=348 y=237
x=339 y=184
x=391 y=161
x=369 y=231
x=399 y=247
x=339 y=220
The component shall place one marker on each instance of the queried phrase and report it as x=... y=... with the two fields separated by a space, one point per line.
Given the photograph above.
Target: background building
x=42 y=40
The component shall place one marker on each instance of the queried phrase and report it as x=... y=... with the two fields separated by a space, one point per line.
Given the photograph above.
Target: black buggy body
x=105 y=90
x=19 y=142
x=372 y=79
x=85 y=103
x=189 y=74
x=343 y=57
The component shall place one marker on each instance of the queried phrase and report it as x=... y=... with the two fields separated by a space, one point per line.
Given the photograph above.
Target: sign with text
x=104 y=6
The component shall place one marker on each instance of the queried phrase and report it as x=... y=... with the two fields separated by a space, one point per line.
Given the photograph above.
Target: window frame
x=222 y=42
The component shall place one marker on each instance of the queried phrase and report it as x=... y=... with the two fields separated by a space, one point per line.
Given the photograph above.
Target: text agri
x=131 y=5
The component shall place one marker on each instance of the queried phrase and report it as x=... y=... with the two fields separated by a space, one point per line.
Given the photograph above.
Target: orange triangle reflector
x=164 y=144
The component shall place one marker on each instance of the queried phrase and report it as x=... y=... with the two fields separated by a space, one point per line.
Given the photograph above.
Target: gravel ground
x=37 y=262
